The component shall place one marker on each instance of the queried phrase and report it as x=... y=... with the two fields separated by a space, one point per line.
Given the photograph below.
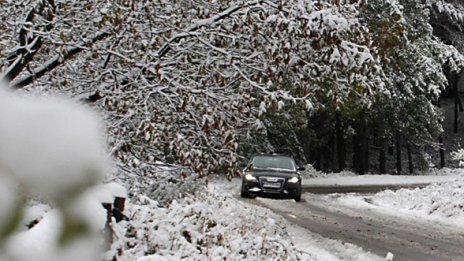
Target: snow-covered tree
x=183 y=81
x=186 y=81
x=413 y=61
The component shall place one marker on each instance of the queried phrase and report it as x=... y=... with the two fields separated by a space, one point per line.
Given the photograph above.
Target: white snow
x=223 y=226
x=364 y=180
x=443 y=196
x=41 y=153
x=311 y=246
x=36 y=242
x=215 y=226
x=88 y=209
x=107 y=192
x=41 y=243
x=33 y=213
x=441 y=202
x=51 y=150
x=50 y=144
x=316 y=247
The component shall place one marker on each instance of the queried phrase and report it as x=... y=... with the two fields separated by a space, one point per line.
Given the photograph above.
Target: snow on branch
x=54 y=62
x=197 y=24
x=53 y=150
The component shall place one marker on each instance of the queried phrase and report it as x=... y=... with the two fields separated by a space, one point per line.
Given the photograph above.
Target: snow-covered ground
x=366 y=180
x=350 y=179
x=214 y=224
x=441 y=201
x=217 y=224
x=311 y=246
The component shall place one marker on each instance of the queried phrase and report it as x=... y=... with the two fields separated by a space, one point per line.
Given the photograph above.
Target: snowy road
x=407 y=239
x=359 y=188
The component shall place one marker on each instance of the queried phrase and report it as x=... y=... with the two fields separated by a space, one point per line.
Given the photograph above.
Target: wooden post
x=109 y=211
x=119 y=203
x=118 y=208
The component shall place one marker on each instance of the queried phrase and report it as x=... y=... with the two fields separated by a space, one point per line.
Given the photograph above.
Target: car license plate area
x=271 y=185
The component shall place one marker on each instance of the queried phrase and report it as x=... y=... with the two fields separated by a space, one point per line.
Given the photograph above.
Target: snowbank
x=214 y=226
x=443 y=201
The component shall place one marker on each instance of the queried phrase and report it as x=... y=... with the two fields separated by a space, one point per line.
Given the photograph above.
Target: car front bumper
x=285 y=190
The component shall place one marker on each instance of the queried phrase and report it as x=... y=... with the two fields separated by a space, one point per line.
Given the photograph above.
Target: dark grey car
x=271 y=176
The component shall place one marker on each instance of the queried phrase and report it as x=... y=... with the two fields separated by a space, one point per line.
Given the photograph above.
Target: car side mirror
x=301 y=168
x=249 y=166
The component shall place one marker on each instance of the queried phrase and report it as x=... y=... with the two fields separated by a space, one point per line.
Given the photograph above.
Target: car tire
x=245 y=194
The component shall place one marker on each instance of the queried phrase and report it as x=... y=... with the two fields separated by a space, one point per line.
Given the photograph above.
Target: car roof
x=271 y=155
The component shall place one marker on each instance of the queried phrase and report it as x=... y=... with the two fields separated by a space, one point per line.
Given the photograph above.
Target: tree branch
x=28 y=46
x=202 y=23
x=22 y=58
x=54 y=62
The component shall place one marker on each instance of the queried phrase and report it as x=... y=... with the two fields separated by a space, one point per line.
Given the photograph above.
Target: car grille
x=271 y=183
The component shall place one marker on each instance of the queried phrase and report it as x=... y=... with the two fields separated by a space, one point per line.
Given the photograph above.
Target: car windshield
x=273 y=162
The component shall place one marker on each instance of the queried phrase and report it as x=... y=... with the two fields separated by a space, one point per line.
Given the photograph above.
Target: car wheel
x=244 y=194
x=298 y=198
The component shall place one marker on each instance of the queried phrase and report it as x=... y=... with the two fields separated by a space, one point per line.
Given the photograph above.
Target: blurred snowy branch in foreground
x=51 y=149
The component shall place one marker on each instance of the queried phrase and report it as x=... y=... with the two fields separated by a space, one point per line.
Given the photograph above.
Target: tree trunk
x=315 y=158
x=379 y=144
x=391 y=150
x=363 y=142
x=355 y=153
x=398 y=154
x=456 y=112
x=442 y=151
x=341 y=148
x=382 y=159
x=327 y=157
x=411 y=166
x=440 y=142
x=457 y=105
x=366 y=150
x=360 y=146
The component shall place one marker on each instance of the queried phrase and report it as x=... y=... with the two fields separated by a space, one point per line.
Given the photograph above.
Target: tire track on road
x=407 y=239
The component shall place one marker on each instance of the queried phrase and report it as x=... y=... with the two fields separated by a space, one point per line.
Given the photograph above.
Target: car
x=269 y=175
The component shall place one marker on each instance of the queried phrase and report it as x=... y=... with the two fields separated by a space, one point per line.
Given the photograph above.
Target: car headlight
x=293 y=180
x=250 y=177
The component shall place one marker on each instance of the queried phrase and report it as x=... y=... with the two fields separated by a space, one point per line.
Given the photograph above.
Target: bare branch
x=202 y=23
x=54 y=62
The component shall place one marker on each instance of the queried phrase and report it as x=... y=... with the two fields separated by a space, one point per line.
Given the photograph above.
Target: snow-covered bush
x=51 y=149
x=194 y=229
x=161 y=182
x=458 y=155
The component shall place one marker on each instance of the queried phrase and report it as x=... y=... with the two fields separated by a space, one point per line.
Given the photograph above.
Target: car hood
x=273 y=173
